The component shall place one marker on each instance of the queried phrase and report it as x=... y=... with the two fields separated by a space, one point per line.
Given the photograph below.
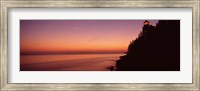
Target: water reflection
x=72 y=62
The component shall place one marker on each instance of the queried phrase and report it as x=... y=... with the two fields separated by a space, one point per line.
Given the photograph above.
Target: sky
x=78 y=36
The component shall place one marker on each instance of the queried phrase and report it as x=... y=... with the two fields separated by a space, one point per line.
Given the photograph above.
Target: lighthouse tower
x=146 y=23
x=146 y=27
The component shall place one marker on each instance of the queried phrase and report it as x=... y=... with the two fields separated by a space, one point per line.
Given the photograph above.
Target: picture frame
x=6 y=4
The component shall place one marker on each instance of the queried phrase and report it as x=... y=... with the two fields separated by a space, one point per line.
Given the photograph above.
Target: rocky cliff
x=157 y=48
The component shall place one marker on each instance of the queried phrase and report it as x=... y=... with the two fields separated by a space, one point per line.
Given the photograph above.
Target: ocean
x=68 y=62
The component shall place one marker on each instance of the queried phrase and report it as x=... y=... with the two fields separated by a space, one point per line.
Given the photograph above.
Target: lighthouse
x=146 y=27
x=146 y=22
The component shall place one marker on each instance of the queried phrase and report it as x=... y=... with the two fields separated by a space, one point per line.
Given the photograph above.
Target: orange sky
x=81 y=36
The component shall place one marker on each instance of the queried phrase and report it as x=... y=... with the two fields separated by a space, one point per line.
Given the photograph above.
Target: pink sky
x=78 y=36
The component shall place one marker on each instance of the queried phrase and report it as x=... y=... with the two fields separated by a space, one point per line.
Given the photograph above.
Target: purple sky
x=78 y=35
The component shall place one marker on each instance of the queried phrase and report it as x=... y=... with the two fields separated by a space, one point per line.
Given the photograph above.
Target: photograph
x=93 y=45
x=99 y=45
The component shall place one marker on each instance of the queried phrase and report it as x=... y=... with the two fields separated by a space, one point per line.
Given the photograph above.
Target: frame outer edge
x=3 y=48
x=76 y=3
x=0 y=45
x=196 y=46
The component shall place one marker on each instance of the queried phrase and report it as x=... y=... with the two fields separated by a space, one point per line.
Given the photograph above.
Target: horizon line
x=58 y=53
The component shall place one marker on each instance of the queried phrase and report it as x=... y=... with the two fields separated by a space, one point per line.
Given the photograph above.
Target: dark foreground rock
x=157 y=48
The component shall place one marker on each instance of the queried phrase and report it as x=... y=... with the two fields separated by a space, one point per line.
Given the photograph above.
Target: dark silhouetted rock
x=157 y=48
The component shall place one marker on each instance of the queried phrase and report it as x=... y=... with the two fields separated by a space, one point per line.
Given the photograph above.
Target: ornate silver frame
x=6 y=4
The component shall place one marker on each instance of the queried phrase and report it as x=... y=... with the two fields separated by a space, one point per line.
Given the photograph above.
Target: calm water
x=73 y=62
